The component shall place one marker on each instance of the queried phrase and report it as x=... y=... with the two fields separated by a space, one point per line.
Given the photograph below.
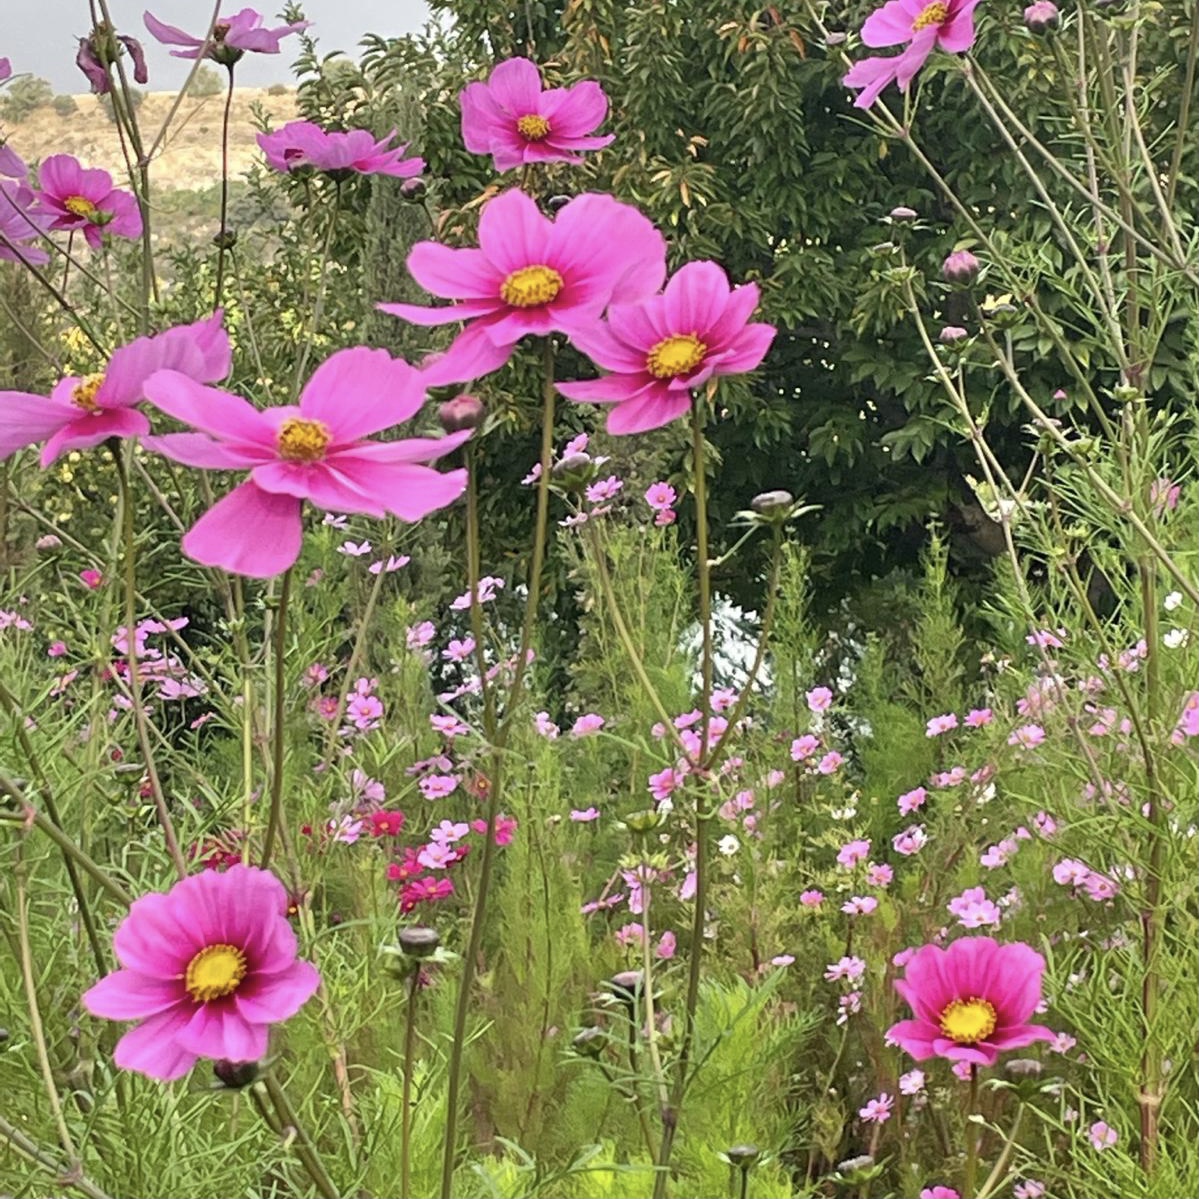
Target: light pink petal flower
x=150 y=1048
x=249 y=532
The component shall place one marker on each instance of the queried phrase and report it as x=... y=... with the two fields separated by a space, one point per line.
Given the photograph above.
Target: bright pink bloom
x=661 y=496
x=74 y=197
x=918 y=25
x=939 y=1193
x=80 y=413
x=971 y=1001
x=587 y=724
x=20 y=222
x=231 y=37
x=661 y=348
x=207 y=969
x=91 y=579
x=5 y=69
x=304 y=144
x=312 y=451
x=513 y=120
x=533 y=275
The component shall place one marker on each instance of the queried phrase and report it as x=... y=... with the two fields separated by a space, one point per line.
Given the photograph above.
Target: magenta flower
x=75 y=197
x=5 y=69
x=231 y=37
x=20 y=223
x=207 y=969
x=82 y=412
x=533 y=275
x=312 y=451
x=971 y=1001
x=659 y=349
x=920 y=27
x=304 y=144
x=513 y=120
x=99 y=51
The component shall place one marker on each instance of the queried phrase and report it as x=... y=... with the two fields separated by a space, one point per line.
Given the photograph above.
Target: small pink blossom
x=820 y=699
x=56 y=649
x=879 y=875
x=665 y=517
x=1030 y=1188
x=811 y=899
x=488 y=588
x=1102 y=1136
x=830 y=763
x=661 y=496
x=977 y=717
x=545 y=726
x=437 y=786
x=666 y=946
x=300 y=144
x=587 y=725
x=877 y=1111
x=390 y=566
x=74 y=198
x=909 y=801
x=847 y=969
x=585 y=815
x=859 y=905
x=364 y=711
x=604 y=489
x=804 y=747
x=911 y=1083
x=939 y=1192
x=663 y=784
x=419 y=635
x=1045 y=824
x=1027 y=736
x=941 y=724
x=852 y=853
x=911 y=841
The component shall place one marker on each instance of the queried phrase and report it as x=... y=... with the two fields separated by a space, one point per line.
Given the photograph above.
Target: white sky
x=41 y=36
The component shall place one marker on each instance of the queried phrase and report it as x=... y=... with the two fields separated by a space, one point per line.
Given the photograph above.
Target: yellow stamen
x=931 y=14
x=533 y=127
x=216 y=971
x=968 y=1021
x=678 y=355
x=84 y=394
x=301 y=440
x=79 y=206
x=531 y=286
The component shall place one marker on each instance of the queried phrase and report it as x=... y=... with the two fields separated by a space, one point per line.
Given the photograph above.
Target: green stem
x=318 y=306
x=305 y=1149
x=222 y=238
x=70 y=1177
x=135 y=683
x=275 y=817
x=406 y=1098
x=972 y=1137
x=994 y=1179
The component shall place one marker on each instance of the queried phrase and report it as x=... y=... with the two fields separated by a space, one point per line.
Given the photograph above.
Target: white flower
x=728 y=845
x=1176 y=638
x=1172 y=601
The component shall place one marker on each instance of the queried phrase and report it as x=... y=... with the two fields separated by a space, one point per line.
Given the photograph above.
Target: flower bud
x=1042 y=16
x=771 y=501
x=960 y=267
x=647 y=821
x=235 y=1075
x=413 y=190
x=419 y=942
x=589 y=1043
x=462 y=412
x=557 y=203
x=1023 y=1067
x=225 y=239
x=743 y=1155
x=626 y=986
x=903 y=213
x=951 y=335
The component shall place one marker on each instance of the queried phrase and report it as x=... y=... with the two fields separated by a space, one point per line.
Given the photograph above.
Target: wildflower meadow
x=614 y=616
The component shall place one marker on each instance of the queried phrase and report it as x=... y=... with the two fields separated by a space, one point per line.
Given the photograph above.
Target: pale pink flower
x=911 y=1083
x=852 y=853
x=804 y=747
x=304 y=144
x=1030 y=1188
x=1027 y=736
x=877 y=1111
x=667 y=944
x=911 y=841
x=909 y=801
x=1102 y=1135
x=879 y=875
x=977 y=717
x=847 y=969
x=811 y=899
x=585 y=815
x=859 y=905
x=830 y=763
x=941 y=724
x=437 y=786
x=820 y=699
x=419 y=635
x=661 y=496
x=545 y=726
x=587 y=724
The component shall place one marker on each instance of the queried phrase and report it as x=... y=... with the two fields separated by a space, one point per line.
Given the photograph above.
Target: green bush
x=24 y=96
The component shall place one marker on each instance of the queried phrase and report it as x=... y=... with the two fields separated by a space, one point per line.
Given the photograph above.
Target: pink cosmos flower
x=586 y=725
x=911 y=841
x=971 y=1001
x=877 y=1111
x=859 y=905
x=920 y=26
x=231 y=37
x=1102 y=1136
x=911 y=1083
x=667 y=944
x=312 y=451
x=939 y=1192
x=804 y=747
x=80 y=413
x=97 y=55
x=852 y=853
x=830 y=763
x=1030 y=1188
x=909 y=801
x=1027 y=736
x=513 y=120
x=849 y=969
x=879 y=875
x=941 y=724
x=661 y=496
x=207 y=969
x=532 y=275
x=820 y=699
x=811 y=899
x=74 y=197
x=977 y=717
x=659 y=349
x=584 y=815
x=20 y=223
x=305 y=144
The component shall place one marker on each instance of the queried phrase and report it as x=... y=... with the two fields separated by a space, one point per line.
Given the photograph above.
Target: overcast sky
x=40 y=36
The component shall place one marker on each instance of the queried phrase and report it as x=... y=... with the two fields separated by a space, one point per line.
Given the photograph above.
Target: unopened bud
x=590 y=1042
x=626 y=986
x=419 y=942
x=951 y=335
x=1042 y=16
x=1024 y=1067
x=235 y=1075
x=743 y=1155
x=960 y=267
x=462 y=412
x=771 y=501
x=225 y=239
x=903 y=213
x=557 y=203
x=413 y=190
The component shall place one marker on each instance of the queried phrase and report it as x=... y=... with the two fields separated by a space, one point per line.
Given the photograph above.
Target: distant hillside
x=190 y=159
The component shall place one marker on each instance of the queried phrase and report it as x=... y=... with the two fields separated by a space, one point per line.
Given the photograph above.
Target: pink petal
x=249 y=532
x=607 y=249
x=600 y=342
x=915 y=56
x=1017 y=1038
x=516 y=84
x=1015 y=982
x=405 y=490
x=321 y=482
x=26 y=419
x=218 y=1030
x=128 y=995
x=658 y=407
x=151 y=1047
x=873 y=75
x=695 y=298
x=892 y=24
x=574 y=111
x=422 y=314
x=454 y=274
x=359 y=391
x=92 y=428
x=969 y=966
x=218 y=413
x=151 y=941
x=200 y=350
x=610 y=389
x=198 y=449
x=169 y=34
x=406 y=449
x=738 y=309
x=980 y=1055
x=273 y=998
x=746 y=353
x=915 y=1037
x=471 y=355
x=513 y=233
x=479 y=114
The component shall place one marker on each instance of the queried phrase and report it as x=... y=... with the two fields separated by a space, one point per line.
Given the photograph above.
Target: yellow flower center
x=531 y=286
x=968 y=1021
x=301 y=440
x=533 y=127
x=84 y=395
x=678 y=355
x=216 y=971
x=79 y=206
x=931 y=14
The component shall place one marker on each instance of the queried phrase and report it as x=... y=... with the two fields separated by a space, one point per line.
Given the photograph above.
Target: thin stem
x=222 y=244
x=64 y=1177
x=278 y=722
x=318 y=306
x=1184 y=110
x=406 y=1097
x=135 y=683
x=36 y=1030
x=972 y=1137
x=305 y=1149
x=994 y=1179
x=651 y=1029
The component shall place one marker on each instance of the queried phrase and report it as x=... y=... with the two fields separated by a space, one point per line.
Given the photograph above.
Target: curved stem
x=1005 y=1155
x=277 y=725
x=135 y=683
x=222 y=235
x=305 y=1149
x=13 y=1136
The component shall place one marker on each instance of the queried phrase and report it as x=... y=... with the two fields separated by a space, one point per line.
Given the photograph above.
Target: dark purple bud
x=413 y=190
x=462 y=412
x=960 y=267
x=557 y=203
x=88 y=61
x=1042 y=16
x=419 y=942
x=235 y=1075
x=140 y=74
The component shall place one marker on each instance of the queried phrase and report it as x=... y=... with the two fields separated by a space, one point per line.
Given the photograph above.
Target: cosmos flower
x=231 y=37
x=75 y=197
x=304 y=144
